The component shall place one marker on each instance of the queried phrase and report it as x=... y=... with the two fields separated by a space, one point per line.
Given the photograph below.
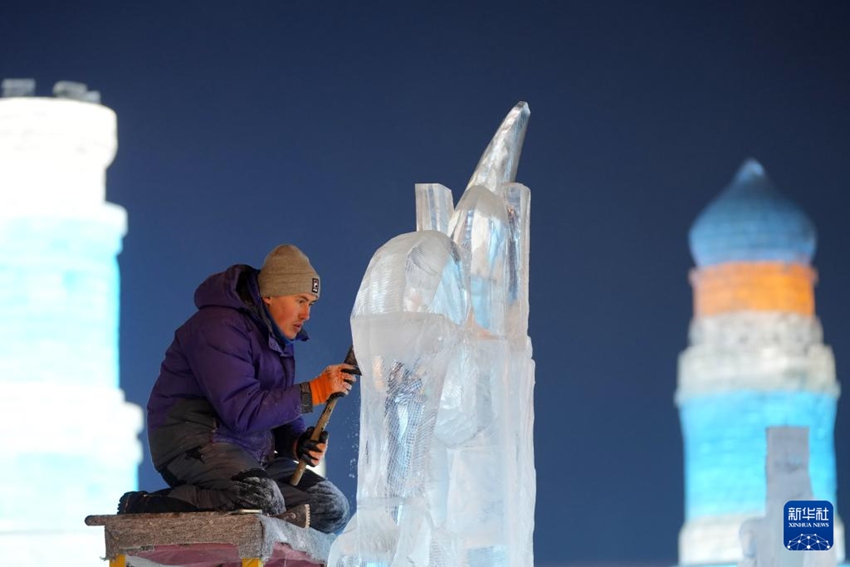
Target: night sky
x=242 y=125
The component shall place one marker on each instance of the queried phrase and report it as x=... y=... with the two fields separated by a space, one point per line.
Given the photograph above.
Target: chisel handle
x=324 y=418
x=317 y=432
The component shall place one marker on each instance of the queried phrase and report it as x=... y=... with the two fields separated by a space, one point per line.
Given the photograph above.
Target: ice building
x=69 y=444
x=756 y=359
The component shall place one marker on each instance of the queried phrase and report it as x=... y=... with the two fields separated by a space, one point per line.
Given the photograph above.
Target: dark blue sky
x=247 y=124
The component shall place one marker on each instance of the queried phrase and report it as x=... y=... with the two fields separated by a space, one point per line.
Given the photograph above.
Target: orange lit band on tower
x=754 y=286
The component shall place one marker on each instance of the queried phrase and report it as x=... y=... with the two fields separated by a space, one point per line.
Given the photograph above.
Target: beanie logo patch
x=315 y=287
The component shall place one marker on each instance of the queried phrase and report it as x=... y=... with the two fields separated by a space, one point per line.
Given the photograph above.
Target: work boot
x=297 y=516
x=141 y=502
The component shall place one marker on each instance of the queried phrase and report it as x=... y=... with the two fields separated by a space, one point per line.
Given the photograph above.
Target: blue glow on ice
x=725 y=447
x=60 y=293
x=752 y=221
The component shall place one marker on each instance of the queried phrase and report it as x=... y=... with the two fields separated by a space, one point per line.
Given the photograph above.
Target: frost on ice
x=440 y=324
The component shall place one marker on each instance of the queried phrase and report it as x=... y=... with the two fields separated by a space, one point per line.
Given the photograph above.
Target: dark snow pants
x=204 y=477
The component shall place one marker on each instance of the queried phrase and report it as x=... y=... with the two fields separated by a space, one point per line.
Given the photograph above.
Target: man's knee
x=329 y=508
x=250 y=489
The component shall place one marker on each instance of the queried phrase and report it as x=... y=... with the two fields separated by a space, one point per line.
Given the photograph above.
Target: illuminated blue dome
x=751 y=221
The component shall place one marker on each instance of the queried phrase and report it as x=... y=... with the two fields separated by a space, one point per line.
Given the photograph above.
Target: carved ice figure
x=446 y=467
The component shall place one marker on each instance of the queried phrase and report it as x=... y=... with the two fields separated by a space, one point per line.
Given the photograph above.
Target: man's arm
x=220 y=356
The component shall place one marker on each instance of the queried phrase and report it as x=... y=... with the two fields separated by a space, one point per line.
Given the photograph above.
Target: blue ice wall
x=59 y=287
x=726 y=446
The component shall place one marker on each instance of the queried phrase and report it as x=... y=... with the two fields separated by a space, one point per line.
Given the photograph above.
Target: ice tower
x=756 y=359
x=69 y=445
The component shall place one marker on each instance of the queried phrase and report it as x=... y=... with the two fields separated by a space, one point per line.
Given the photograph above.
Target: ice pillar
x=756 y=359
x=763 y=542
x=446 y=468
x=69 y=445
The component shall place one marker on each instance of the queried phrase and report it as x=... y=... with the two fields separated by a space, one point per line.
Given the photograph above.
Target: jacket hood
x=236 y=288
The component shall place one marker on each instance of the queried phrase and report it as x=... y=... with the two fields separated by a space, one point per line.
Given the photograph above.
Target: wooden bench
x=206 y=539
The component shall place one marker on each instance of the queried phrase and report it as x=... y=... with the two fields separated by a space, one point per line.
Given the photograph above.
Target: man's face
x=290 y=311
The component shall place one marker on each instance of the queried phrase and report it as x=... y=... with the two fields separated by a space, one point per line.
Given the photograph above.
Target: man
x=224 y=417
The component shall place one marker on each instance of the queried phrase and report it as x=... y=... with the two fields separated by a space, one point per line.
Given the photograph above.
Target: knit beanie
x=287 y=271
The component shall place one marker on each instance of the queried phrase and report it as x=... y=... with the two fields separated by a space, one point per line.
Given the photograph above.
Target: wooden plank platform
x=207 y=539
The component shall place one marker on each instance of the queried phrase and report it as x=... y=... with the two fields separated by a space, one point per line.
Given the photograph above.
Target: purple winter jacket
x=226 y=377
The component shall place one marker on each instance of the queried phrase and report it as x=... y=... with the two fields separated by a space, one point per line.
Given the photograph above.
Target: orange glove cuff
x=320 y=390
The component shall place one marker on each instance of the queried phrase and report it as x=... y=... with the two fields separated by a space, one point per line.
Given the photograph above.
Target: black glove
x=257 y=493
x=304 y=446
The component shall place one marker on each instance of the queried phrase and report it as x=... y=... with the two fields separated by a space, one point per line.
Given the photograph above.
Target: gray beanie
x=287 y=271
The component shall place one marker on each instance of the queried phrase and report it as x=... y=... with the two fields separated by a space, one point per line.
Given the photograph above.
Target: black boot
x=142 y=502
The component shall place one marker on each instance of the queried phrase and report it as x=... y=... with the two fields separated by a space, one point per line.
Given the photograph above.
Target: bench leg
x=119 y=561
x=252 y=562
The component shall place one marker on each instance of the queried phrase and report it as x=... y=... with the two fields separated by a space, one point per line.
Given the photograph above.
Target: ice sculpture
x=787 y=472
x=446 y=470
x=756 y=359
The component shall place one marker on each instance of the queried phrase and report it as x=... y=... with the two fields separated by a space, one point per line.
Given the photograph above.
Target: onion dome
x=751 y=221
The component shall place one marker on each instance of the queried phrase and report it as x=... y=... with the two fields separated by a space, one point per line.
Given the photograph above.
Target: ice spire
x=499 y=162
